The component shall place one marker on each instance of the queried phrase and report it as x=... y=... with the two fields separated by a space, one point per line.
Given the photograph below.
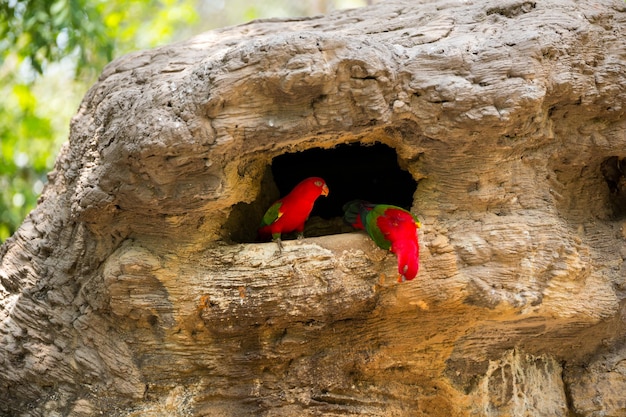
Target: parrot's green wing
x=372 y=227
x=272 y=214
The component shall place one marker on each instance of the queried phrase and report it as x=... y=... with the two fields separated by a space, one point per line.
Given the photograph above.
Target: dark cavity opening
x=614 y=173
x=352 y=171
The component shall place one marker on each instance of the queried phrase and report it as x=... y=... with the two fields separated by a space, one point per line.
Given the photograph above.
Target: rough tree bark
x=125 y=292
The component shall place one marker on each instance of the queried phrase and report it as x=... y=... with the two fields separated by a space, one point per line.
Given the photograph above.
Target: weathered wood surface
x=123 y=293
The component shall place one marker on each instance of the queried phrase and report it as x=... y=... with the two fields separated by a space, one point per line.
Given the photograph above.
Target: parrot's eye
x=318 y=183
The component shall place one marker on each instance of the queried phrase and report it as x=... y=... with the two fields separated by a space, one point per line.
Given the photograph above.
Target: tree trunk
x=136 y=287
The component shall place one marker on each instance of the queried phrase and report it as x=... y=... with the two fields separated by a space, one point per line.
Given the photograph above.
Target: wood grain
x=123 y=292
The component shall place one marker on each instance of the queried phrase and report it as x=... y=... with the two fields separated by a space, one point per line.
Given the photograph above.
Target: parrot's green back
x=372 y=227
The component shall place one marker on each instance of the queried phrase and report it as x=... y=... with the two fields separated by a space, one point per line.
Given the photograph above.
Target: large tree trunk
x=135 y=288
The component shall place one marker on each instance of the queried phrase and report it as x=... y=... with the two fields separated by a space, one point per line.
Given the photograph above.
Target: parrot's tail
x=355 y=212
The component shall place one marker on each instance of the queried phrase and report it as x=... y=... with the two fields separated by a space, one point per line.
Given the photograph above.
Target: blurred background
x=51 y=52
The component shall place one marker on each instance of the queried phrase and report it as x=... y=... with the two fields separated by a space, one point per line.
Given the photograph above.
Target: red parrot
x=291 y=212
x=392 y=228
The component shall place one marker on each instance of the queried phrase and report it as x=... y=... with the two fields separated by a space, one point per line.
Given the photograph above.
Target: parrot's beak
x=325 y=190
x=401 y=277
x=418 y=224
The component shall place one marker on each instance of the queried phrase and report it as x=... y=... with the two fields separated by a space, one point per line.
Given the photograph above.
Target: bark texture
x=126 y=292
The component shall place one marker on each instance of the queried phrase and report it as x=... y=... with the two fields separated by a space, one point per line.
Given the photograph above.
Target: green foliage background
x=52 y=51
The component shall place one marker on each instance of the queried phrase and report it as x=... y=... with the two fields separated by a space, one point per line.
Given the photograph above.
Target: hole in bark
x=614 y=173
x=352 y=171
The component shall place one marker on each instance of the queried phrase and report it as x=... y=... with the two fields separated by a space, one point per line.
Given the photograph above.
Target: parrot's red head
x=407 y=252
x=408 y=271
x=321 y=184
x=314 y=185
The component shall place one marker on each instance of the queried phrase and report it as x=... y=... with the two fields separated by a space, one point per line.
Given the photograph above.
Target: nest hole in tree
x=352 y=171
x=614 y=173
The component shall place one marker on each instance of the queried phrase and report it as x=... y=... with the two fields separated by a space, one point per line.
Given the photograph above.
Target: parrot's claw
x=280 y=245
x=300 y=235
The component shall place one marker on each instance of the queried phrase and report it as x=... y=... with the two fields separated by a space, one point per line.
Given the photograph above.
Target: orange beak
x=325 y=190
